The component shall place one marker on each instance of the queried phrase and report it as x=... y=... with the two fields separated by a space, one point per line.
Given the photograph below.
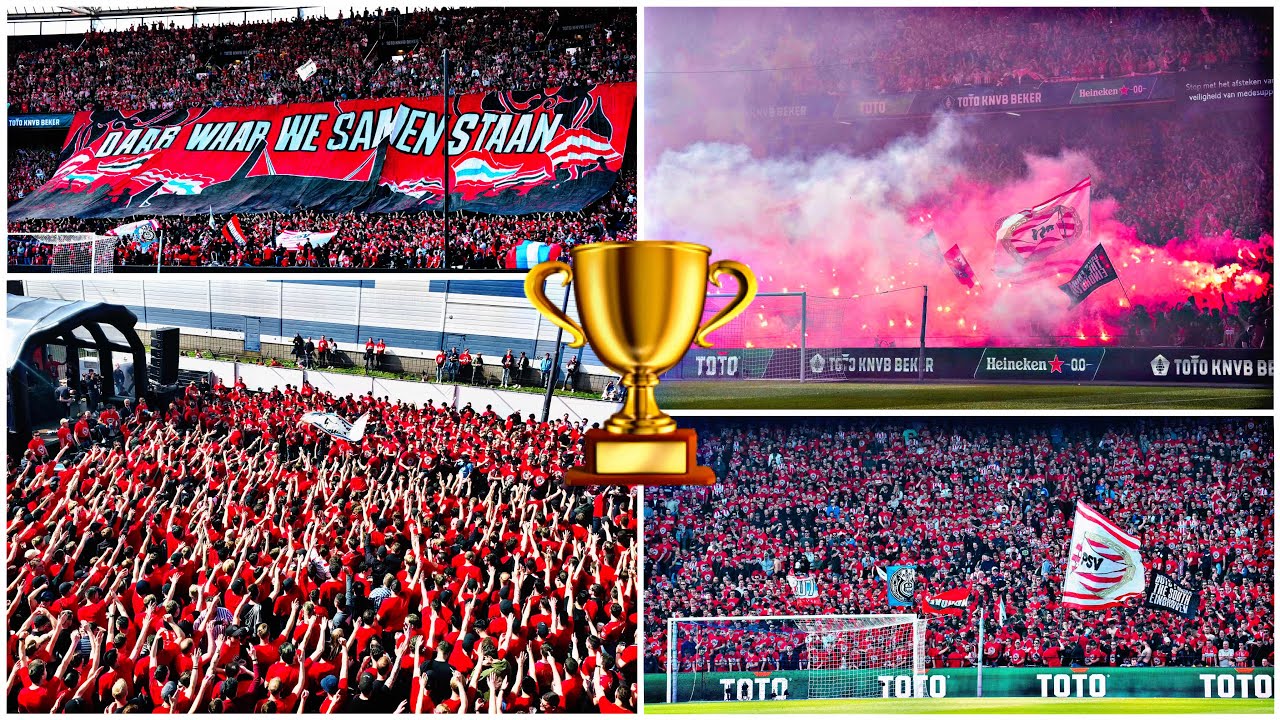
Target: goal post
x=797 y=657
x=73 y=252
x=801 y=337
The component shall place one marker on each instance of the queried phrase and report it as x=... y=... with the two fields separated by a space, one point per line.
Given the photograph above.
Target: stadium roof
x=26 y=20
x=117 y=10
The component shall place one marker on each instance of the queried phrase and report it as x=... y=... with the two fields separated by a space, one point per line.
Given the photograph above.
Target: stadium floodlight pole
x=924 y=319
x=555 y=362
x=444 y=73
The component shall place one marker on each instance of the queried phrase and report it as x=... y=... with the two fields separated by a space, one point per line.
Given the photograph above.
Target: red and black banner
x=947 y=602
x=510 y=153
x=1094 y=272
x=960 y=267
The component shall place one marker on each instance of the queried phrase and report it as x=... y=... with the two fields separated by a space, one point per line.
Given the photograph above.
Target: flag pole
x=159 y=250
x=982 y=626
x=924 y=318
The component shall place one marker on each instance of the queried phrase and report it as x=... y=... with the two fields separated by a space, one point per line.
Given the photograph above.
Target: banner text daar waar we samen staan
x=510 y=153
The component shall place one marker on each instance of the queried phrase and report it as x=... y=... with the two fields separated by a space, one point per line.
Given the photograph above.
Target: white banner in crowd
x=337 y=426
x=290 y=239
x=307 y=69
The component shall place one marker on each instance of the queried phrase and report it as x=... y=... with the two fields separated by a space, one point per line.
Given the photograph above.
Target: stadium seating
x=253 y=64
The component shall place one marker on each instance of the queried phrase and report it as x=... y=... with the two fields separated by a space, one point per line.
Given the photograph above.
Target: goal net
x=794 y=657
x=73 y=252
x=802 y=337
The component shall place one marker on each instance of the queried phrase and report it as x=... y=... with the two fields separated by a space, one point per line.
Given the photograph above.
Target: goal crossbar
x=834 y=656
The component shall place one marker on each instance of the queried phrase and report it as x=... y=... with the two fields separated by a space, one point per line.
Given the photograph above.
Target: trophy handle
x=746 y=293
x=533 y=288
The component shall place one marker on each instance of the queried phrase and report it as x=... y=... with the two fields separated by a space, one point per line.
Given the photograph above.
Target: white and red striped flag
x=1030 y=237
x=1104 y=564
x=232 y=231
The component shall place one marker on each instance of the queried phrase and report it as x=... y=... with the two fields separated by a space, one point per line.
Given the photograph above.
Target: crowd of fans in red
x=985 y=505
x=216 y=555
x=375 y=240
x=897 y=50
x=152 y=66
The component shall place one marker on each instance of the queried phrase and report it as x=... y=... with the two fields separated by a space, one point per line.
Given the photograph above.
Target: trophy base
x=665 y=459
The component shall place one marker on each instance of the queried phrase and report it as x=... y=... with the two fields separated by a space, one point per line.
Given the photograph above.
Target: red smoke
x=840 y=226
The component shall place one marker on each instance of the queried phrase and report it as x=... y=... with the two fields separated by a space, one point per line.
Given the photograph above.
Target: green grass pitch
x=992 y=706
x=783 y=395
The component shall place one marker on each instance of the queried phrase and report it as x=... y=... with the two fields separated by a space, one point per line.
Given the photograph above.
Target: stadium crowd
x=984 y=505
x=1191 y=324
x=374 y=240
x=153 y=66
x=29 y=168
x=896 y=50
x=217 y=555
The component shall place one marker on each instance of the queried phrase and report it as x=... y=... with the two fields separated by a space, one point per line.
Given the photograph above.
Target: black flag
x=1095 y=272
x=1166 y=594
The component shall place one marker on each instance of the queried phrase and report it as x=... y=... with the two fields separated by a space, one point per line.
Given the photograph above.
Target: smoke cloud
x=845 y=226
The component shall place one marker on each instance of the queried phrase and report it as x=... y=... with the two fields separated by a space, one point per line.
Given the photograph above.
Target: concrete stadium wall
x=415 y=316
x=259 y=377
x=1080 y=683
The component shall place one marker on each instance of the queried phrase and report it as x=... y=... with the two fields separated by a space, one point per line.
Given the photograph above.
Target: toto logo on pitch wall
x=1083 y=685
x=723 y=365
x=760 y=688
x=905 y=686
x=1204 y=367
x=1241 y=686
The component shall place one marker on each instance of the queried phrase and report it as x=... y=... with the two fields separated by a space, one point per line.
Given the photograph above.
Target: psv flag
x=232 y=231
x=1096 y=271
x=1031 y=237
x=947 y=602
x=960 y=267
x=1104 y=563
x=804 y=585
x=337 y=426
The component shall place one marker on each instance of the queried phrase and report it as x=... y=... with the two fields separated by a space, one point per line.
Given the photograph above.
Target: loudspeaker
x=164 y=355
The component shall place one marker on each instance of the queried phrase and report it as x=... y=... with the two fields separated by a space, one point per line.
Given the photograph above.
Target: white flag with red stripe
x=1104 y=565
x=1031 y=237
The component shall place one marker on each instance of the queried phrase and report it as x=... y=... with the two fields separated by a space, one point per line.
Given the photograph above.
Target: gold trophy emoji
x=640 y=305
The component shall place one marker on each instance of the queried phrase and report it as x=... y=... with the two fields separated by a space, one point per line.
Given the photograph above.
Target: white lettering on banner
x=718 y=365
x=869 y=364
x=1061 y=685
x=1243 y=686
x=1197 y=366
x=752 y=689
x=905 y=686
x=975 y=101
